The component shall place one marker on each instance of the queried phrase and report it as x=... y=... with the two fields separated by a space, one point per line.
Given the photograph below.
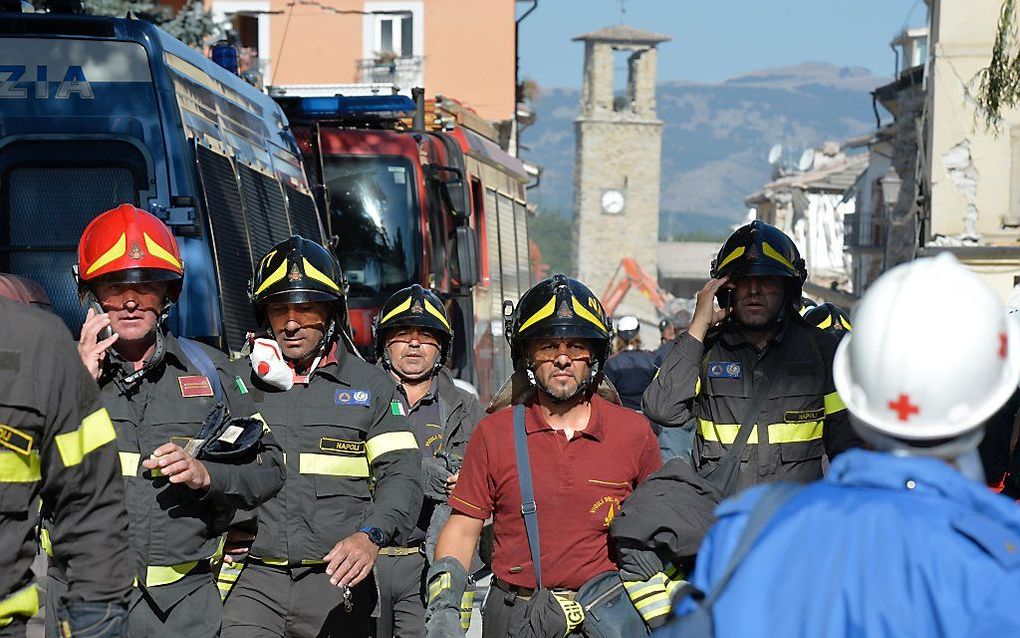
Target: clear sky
x=718 y=39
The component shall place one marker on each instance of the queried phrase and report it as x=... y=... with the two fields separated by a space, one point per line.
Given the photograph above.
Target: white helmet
x=627 y=327
x=932 y=356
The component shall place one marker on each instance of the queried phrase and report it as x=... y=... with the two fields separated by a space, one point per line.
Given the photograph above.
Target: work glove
x=637 y=564
x=433 y=478
x=550 y=616
x=447 y=582
x=92 y=620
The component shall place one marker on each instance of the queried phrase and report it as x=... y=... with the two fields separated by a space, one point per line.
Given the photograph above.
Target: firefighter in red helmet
x=172 y=403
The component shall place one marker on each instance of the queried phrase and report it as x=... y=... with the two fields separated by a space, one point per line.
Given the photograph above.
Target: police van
x=99 y=111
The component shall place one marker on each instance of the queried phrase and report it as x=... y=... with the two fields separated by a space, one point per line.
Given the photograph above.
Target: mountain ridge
x=716 y=137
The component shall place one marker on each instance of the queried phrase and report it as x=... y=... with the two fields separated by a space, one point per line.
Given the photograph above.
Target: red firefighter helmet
x=129 y=245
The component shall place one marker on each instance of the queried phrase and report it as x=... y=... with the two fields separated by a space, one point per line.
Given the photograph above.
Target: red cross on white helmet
x=932 y=355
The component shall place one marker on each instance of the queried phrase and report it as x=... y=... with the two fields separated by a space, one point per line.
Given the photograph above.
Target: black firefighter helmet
x=413 y=307
x=760 y=249
x=830 y=318
x=559 y=307
x=298 y=270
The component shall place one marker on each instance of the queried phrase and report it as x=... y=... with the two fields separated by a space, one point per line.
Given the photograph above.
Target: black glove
x=92 y=620
x=550 y=615
x=637 y=564
x=433 y=478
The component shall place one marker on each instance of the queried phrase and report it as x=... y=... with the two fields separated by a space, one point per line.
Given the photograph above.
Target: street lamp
x=890 y=184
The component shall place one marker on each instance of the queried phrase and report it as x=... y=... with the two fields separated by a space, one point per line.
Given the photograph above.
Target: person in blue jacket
x=903 y=540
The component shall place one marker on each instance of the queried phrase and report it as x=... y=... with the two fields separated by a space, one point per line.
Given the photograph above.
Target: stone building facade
x=617 y=167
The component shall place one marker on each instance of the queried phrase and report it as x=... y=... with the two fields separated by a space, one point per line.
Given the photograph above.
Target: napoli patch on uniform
x=353 y=397
x=15 y=439
x=724 y=370
x=195 y=386
x=342 y=447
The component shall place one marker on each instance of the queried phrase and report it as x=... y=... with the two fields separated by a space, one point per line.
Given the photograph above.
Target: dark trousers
x=401 y=582
x=278 y=602
x=196 y=615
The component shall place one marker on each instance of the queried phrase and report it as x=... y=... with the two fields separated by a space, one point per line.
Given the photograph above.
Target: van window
x=51 y=190
x=265 y=210
x=230 y=243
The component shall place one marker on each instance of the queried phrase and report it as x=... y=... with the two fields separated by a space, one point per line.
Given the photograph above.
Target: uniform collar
x=336 y=365
x=864 y=468
x=595 y=429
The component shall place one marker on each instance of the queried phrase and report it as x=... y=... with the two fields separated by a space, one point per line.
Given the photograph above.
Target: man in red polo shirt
x=586 y=456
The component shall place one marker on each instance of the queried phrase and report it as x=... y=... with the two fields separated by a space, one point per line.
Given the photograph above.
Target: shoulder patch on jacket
x=997 y=540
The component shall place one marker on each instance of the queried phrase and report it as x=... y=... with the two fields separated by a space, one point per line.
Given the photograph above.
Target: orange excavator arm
x=633 y=275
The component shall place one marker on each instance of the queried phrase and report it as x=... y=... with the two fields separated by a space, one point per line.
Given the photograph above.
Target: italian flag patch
x=397 y=409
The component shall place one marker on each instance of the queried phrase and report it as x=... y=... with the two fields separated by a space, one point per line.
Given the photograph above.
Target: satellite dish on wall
x=807 y=159
x=775 y=153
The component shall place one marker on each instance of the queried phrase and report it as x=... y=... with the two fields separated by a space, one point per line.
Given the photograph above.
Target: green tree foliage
x=193 y=24
x=999 y=86
x=553 y=234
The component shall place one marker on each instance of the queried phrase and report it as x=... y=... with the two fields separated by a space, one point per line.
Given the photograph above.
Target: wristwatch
x=375 y=535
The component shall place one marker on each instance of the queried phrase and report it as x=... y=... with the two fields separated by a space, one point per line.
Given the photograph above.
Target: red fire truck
x=418 y=193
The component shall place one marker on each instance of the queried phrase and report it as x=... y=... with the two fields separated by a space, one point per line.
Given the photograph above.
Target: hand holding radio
x=705 y=313
x=96 y=338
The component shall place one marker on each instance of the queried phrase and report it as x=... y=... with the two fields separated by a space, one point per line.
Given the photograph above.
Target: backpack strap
x=528 y=507
x=201 y=360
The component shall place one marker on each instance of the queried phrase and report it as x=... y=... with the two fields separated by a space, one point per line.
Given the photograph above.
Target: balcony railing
x=404 y=73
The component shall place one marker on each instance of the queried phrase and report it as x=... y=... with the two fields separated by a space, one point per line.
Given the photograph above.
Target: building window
x=393 y=48
x=393 y=30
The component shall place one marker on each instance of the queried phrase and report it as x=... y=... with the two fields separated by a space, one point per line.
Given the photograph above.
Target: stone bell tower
x=617 y=164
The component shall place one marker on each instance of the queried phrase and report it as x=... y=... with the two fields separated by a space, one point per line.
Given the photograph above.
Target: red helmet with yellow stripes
x=129 y=245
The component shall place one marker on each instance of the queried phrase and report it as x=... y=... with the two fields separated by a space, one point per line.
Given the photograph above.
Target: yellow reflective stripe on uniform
x=44 y=542
x=541 y=314
x=738 y=251
x=833 y=403
x=795 y=432
x=649 y=597
x=697 y=387
x=584 y=313
x=96 y=431
x=389 y=442
x=329 y=465
x=22 y=603
x=435 y=313
x=775 y=254
x=401 y=307
x=129 y=463
x=726 y=433
x=20 y=468
x=316 y=274
x=159 y=575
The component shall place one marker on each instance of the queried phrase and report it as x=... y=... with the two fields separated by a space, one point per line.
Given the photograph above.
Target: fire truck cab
x=410 y=194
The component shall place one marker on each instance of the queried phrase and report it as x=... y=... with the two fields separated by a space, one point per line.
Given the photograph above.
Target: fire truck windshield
x=373 y=211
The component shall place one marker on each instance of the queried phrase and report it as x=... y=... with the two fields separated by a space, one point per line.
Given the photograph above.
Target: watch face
x=612 y=202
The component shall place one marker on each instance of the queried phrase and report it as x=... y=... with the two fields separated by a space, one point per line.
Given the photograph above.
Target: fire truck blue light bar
x=340 y=105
